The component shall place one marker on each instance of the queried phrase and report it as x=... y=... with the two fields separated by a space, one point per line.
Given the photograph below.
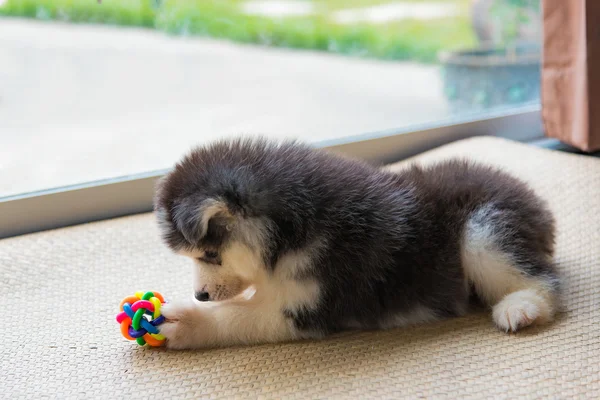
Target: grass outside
x=412 y=39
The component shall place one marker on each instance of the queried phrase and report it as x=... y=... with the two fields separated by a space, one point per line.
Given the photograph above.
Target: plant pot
x=491 y=77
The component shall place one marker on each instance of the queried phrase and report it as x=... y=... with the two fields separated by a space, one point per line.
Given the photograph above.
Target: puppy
x=330 y=244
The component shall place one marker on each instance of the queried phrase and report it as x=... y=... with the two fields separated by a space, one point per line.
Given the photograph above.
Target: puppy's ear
x=192 y=219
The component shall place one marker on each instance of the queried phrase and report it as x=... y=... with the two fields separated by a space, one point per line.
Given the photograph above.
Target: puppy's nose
x=202 y=296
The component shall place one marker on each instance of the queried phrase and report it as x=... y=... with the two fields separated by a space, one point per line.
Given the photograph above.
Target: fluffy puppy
x=329 y=244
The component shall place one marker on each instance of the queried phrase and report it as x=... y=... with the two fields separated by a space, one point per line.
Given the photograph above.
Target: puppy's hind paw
x=520 y=309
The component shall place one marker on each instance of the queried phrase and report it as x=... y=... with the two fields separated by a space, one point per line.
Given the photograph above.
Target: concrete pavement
x=84 y=102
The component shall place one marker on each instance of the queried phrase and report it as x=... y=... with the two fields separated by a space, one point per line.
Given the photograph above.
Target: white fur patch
x=485 y=266
x=284 y=288
x=293 y=264
x=254 y=310
x=517 y=298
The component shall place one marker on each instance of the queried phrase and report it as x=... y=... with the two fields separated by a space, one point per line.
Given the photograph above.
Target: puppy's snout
x=202 y=296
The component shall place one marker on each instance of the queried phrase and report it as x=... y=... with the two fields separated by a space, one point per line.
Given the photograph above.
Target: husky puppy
x=292 y=242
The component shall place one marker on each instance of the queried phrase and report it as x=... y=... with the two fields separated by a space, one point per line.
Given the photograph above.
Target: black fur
x=389 y=242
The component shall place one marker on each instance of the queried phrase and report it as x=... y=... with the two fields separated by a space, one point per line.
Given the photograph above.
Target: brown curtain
x=571 y=72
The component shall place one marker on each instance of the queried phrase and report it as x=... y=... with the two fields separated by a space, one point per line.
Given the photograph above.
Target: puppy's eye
x=211 y=257
x=211 y=254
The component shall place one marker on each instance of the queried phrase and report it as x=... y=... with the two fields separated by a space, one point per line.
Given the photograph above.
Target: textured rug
x=61 y=290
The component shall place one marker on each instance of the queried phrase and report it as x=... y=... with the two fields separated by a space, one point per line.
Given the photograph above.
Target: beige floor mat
x=60 y=291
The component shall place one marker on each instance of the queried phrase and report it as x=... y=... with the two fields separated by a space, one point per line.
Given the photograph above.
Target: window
x=94 y=90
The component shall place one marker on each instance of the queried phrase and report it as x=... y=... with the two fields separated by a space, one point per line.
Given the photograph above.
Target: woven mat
x=61 y=289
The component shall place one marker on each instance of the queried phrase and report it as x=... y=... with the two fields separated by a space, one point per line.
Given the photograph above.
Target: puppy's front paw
x=183 y=325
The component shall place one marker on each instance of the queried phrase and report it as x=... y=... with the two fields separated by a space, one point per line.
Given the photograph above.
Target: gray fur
x=389 y=243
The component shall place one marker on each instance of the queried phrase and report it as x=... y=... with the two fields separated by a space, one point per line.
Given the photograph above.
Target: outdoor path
x=376 y=14
x=87 y=102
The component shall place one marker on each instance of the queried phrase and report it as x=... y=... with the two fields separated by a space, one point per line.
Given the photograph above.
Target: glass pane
x=96 y=89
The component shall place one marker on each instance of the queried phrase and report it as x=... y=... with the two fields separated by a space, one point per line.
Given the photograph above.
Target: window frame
x=117 y=197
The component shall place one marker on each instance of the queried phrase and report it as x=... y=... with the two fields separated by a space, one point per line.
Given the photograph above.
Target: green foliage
x=533 y=4
x=512 y=14
x=399 y=40
x=118 y=12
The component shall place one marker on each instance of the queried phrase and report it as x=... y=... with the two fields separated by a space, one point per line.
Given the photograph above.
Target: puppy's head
x=204 y=213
